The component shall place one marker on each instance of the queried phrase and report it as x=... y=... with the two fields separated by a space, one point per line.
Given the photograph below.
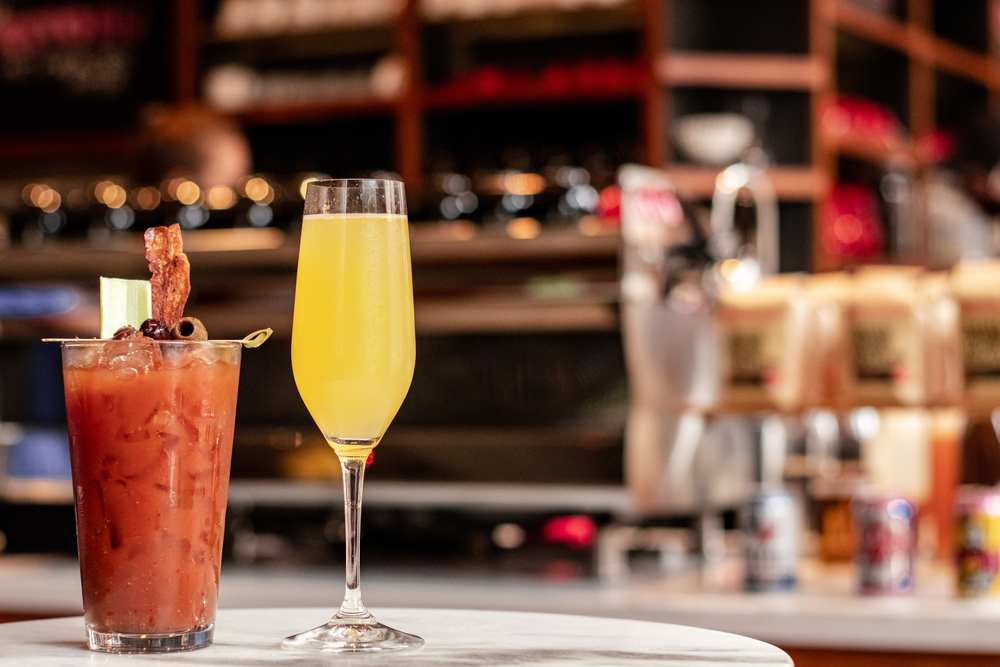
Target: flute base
x=352 y=635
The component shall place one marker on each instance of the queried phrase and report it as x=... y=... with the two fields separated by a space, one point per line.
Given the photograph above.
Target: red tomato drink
x=151 y=435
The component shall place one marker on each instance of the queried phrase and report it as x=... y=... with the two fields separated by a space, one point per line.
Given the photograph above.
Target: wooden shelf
x=269 y=250
x=61 y=145
x=65 y=261
x=546 y=22
x=428 y=245
x=916 y=42
x=257 y=268
x=311 y=112
x=442 y=98
x=493 y=497
x=791 y=183
x=479 y=314
x=435 y=99
x=124 y=256
x=872 y=149
x=304 y=44
x=754 y=71
x=248 y=493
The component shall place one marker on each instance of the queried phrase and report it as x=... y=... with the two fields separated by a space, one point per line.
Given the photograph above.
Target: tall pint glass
x=151 y=434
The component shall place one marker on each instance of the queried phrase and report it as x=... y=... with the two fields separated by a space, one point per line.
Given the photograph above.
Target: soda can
x=977 y=541
x=886 y=545
x=771 y=547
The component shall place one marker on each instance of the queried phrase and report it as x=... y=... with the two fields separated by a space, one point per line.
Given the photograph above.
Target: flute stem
x=354 y=475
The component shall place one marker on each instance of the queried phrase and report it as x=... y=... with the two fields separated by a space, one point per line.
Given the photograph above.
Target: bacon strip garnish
x=171 y=280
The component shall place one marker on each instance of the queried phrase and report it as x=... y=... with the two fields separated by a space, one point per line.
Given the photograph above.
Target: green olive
x=188 y=328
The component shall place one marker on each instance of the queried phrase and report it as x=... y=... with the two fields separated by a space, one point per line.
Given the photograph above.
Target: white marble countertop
x=250 y=637
x=823 y=613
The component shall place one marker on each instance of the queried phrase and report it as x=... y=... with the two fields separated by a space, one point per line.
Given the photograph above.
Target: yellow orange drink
x=352 y=341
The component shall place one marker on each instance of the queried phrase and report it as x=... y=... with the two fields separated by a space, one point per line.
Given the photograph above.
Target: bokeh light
x=110 y=194
x=26 y=194
x=524 y=228
x=576 y=531
x=41 y=196
x=192 y=217
x=188 y=193
x=115 y=196
x=120 y=219
x=168 y=189
x=260 y=190
x=260 y=215
x=144 y=199
x=524 y=184
x=305 y=182
x=221 y=197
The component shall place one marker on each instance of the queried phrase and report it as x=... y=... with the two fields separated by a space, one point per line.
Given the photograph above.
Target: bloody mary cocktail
x=151 y=434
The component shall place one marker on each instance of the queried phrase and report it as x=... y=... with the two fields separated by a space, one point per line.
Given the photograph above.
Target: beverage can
x=886 y=544
x=977 y=541
x=771 y=542
x=836 y=537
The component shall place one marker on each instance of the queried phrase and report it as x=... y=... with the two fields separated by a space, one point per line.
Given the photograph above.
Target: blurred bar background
x=667 y=255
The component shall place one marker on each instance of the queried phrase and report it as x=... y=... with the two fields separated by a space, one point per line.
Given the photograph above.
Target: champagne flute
x=353 y=352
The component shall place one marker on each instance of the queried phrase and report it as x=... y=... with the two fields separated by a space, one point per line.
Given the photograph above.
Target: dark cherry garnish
x=127 y=332
x=154 y=329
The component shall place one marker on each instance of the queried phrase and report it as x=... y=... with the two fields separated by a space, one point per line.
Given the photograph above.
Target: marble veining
x=454 y=638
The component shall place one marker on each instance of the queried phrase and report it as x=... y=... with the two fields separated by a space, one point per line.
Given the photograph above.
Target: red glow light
x=847 y=228
x=609 y=204
x=576 y=531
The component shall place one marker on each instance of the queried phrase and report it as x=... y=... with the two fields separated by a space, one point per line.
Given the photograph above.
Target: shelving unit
x=677 y=58
x=922 y=58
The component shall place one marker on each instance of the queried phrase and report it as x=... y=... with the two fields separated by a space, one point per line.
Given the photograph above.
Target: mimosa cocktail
x=352 y=342
x=353 y=351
